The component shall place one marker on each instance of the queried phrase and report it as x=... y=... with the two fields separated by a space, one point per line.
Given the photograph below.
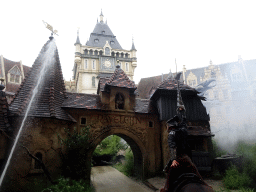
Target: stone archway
x=137 y=147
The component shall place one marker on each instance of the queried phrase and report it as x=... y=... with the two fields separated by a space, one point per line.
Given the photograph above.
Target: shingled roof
x=170 y=84
x=4 y=121
x=51 y=90
x=93 y=102
x=83 y=101
x=120 y=79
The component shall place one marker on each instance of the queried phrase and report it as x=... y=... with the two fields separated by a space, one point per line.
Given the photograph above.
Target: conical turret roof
x=120 y=79
x=51 y=89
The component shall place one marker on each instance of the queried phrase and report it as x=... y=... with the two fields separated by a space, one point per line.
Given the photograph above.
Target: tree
x=110 y=146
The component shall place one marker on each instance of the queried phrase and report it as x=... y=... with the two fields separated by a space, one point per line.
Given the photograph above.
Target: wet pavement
x=108 y=179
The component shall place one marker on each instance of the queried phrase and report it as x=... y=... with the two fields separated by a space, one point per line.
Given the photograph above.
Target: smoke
x=231 y=105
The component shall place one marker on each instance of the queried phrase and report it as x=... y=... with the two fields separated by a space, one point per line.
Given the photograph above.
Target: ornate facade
x=98 y=58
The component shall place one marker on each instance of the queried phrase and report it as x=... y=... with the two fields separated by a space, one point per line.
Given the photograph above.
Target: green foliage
x=77 y=145
x=68 y=185
x=128 y=167
x=110 y=146
x=217 y=150
x=248 y=152
x=235 y=180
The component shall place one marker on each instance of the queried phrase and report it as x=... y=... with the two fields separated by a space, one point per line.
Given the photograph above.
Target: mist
x=230 y=102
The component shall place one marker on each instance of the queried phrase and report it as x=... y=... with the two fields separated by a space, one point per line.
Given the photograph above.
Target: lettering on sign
x=116 y=119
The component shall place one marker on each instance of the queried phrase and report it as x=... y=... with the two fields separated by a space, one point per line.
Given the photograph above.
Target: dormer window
x=14 y=75
x=112 y=42
x=107 y=51
x=102 y=32
x=119 y=101
x=96 y=40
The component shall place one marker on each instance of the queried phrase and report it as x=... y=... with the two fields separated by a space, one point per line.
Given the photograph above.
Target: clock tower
x=99 y=57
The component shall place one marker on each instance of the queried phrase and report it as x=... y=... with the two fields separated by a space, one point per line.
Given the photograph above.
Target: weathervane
x=48 y=26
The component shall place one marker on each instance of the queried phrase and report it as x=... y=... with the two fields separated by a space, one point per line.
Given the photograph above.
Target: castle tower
x=99 y=57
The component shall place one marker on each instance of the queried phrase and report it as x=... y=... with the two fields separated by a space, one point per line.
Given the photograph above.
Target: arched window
x=122 y=55
x=38 y=164
x=113 y=54
x=119 y=101
x=93 y=81
x=86 y=52
x=101 y=52
x=95 y=52
x=91 y=52
x=117 y=54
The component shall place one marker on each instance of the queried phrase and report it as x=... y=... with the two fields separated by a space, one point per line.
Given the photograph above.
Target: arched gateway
x=116 y=111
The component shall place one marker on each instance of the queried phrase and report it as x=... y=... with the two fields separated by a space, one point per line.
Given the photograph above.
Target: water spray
x=47 y=56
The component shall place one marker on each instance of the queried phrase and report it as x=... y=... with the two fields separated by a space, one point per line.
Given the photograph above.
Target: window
x=86 y=52
x=85 y=64
x=93 y=81
x=91 y=52
x=119 y=101
x=93 y=64
x=38 y=164
x=14 y=78
x=96 y=40
x=126 y=67
x=150 y=124
x=112 y=42
x=107 y=51
x=83 y=121
x=103 y=32
x=192 y=83
x=17 y=79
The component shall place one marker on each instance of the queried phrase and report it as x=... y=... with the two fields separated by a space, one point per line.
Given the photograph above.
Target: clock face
x=107 y=63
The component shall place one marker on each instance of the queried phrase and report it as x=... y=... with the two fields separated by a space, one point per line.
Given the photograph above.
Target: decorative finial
x=101 y=16
x=133 y=46
x=77 y=39
x=48 y=26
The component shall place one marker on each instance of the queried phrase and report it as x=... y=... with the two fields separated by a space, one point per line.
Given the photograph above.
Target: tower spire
x=77 y=39
x=101 y=16
x=133 y=47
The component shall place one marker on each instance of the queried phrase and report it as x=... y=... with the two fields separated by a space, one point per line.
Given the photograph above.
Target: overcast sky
x=193 y=32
